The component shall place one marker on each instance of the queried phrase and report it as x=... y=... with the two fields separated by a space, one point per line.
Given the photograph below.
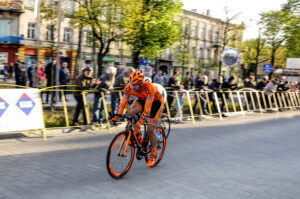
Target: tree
x=105 y=19
x=152 y=27
x=273 y=26
x=292 y=28
x=182 y=53
x=255 y=53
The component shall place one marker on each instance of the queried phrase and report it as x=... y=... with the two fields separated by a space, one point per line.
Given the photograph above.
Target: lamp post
x=57 y=3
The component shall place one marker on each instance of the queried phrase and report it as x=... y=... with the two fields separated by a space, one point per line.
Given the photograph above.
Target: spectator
x=5 y=71
x=181 y=97
x=216 y=85
x=165 y=79
x=84 y=82
x=192 y=81
x=158 y=78
x=120 y=69
x=229 y=85
x=262 y=84
x=50 y=72
x=41 y=76
x=30 y=73
x=174 y=85
x=283 y=85
x=249 y=84
x=64 y=78
x=201 y=86
x=107 y=85
x=269 y=90
x=186 y=81
x=123 y=79
x=20 y=74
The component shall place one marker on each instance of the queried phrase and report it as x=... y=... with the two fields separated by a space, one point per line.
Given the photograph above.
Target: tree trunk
x=100 y=62
x=135 y=58
x=77 y=60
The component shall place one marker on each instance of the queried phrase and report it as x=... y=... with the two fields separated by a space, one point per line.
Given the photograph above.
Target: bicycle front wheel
x=120 y=155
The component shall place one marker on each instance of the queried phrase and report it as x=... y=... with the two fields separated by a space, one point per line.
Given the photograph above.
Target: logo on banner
x=3 y=106
x=26 y=104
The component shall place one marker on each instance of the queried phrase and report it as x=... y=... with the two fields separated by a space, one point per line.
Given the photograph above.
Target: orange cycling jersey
x=148 y=93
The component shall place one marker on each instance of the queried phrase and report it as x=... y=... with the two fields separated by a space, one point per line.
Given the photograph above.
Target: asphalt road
x=256 y=156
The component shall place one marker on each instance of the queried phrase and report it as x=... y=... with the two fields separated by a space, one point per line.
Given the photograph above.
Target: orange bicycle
x=121 y=150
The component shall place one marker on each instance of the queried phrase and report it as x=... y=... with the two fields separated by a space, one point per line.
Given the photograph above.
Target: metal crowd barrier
x=208 y=103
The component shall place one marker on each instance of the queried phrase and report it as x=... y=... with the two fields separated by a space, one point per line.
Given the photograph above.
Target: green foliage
x=292 y=29
x=152 y=27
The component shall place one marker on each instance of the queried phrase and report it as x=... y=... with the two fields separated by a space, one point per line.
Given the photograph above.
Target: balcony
x=11 y=40
x=10 y=6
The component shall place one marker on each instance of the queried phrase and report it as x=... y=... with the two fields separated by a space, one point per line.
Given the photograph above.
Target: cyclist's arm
x=124 y=101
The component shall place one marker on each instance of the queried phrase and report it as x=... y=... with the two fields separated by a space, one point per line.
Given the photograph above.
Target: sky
x=249 y=10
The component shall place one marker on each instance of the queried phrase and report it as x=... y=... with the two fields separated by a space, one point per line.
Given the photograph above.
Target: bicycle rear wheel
x=166 y=124
x=160 y=147
x=117 y=162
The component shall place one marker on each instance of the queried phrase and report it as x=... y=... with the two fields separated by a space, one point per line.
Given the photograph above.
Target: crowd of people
x=115 y=78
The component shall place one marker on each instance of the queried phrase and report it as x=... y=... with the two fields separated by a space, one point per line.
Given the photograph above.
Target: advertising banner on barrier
x=20 y=109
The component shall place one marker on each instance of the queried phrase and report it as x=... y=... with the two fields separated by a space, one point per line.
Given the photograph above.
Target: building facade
x=26 y=35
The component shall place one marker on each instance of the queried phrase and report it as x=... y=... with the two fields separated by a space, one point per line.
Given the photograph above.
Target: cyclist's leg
x=135 y=107
x=154 y=121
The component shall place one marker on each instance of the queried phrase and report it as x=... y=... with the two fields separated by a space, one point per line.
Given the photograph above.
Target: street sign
x=267 y=68
x=230 y=57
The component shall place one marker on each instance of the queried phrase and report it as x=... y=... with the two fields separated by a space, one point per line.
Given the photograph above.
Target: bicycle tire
x=166 y=124
x=161 y=151
x=111 y=153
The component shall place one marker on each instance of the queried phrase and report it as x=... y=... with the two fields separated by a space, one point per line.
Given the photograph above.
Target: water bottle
x=158 y=134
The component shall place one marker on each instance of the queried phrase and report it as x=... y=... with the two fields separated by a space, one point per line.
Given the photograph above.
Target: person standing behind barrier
x=20 y=74
x=165 y=79
x=123 y=79
x=109 y=79
x=201 y=85
x=173 y=85
x=269 y=90
x=40 y=75
x=181 y=97
x=64 y=78
x=249 y=84
x=102 y=88
x=215 y=85
x=84 y=82
x=260 y=86
x=30 y=73
x=229 y=85
x=158 y=78
x=186 y=81
x=50 y=70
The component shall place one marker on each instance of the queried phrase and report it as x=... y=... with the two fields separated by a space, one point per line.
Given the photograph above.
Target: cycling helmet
x=136 y=77
x=148 y=79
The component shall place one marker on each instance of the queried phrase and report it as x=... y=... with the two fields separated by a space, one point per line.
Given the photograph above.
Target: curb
x=11 y=135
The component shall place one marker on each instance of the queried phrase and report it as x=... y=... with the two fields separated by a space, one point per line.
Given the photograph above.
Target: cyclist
x=160 y=88
x=149 y=101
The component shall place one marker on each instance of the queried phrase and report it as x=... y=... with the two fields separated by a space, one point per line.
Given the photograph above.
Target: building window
x=208 y=54
x=67 y=35
x=203 y=33
x=31 y=30
x=201 y=53
x=31 y=3
x=194 y=32
x=69 y=6
x=49 y=33
x=217 y=37
x=210 y=35
x=4 y=27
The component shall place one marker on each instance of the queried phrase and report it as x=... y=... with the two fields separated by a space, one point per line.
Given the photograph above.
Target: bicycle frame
x=129 y=129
